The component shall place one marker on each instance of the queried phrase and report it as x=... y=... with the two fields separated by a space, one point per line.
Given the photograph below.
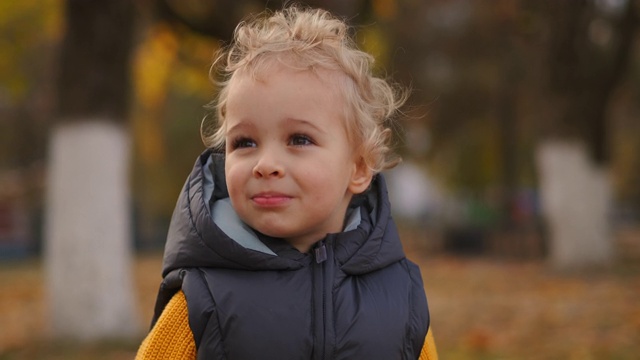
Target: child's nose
x=268 y=166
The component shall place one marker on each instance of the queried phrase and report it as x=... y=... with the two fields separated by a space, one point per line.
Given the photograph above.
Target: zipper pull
x=321 y=253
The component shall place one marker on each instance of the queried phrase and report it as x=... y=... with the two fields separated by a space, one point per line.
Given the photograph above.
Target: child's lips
x=270 y=199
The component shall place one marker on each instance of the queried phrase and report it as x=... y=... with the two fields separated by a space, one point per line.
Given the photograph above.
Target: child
x=282 y=245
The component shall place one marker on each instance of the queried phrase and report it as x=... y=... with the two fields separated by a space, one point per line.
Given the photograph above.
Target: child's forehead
x=339 y=86
x=243 y=85
x=329 y=84
x=286 y=83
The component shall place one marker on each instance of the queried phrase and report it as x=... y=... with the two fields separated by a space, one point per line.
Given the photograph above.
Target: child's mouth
x=270 y=199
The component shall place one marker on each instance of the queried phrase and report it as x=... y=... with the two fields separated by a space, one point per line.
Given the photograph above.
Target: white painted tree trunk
x=576 y=199
x=88 y=259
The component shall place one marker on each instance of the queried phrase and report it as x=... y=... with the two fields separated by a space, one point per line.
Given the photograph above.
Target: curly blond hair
x=312 y=39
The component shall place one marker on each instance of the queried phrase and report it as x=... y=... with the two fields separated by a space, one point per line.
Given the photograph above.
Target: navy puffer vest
x=355 y=296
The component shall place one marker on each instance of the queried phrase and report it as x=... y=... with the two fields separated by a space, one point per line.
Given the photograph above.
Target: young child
x=282 y=245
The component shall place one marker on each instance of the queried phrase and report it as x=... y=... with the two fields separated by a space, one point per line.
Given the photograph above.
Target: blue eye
x=300 y=140
x=243 y=142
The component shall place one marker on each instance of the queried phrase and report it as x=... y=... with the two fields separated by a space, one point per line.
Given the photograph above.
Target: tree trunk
x=87 y=235
x=88 y=251
x=576 y=198
x=574 y=179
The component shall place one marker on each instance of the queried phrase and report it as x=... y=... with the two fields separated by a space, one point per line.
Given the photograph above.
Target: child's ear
x=360 y=178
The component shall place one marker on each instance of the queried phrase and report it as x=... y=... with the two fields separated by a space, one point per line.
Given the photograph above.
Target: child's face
x=290 y=169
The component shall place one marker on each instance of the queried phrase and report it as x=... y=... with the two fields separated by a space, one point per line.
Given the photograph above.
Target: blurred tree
x=465 y=62
x=490 y=96
x=29 y=32
x=589 y=47
x=87 y=249
x=154 y=64
x=218 y=18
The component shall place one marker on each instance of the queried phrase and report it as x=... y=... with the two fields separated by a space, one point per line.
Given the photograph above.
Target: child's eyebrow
x=295 y=121
x=240 y=126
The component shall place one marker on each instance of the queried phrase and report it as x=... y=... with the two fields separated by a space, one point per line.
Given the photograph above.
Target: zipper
x=320 y=252
x=320 y=292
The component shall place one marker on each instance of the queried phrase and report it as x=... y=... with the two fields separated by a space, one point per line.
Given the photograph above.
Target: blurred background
x=519 y=194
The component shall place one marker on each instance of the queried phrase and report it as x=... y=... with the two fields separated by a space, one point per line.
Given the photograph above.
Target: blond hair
x=311 y=39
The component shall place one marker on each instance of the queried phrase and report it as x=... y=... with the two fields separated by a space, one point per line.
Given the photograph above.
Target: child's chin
x=276 y=234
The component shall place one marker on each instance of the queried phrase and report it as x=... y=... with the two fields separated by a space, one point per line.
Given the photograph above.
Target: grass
x=481 y=308
x=520 y=310
x=24 y=317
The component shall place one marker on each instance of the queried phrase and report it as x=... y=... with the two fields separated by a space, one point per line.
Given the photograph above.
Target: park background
x=519 y=194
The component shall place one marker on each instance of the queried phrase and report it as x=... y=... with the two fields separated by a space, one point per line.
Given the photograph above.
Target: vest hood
x=205 y=231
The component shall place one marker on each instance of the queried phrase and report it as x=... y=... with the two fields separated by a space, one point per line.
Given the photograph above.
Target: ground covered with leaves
x=482 y=308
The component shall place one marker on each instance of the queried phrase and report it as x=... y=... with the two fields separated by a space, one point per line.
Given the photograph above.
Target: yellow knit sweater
x=171 y=337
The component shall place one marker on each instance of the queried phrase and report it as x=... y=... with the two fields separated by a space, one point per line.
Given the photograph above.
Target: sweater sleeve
x=429 y=348
x=171 y=336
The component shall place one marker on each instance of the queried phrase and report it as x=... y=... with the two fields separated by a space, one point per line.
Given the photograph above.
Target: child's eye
x=300 y=140
x=243 y=142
